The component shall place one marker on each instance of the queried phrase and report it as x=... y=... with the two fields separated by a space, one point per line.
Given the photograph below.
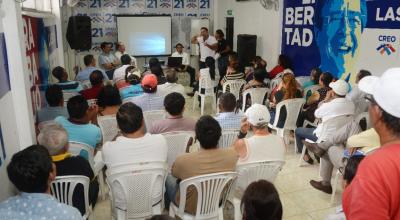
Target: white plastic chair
x=267 y=82
x=152 y=116
x=68 y=95
x=293 y=107
x=235 y=86
x=257 y=95
x=143 y=186
x=210 y=192
x=86 y=84
x=310 y=88
x=63 y=188
x=361 y=106
x=275 y=82
x=227 y=138
x=108 y=126
x=363 y=116
x=251 y=172
x=177 y=144
x=208 y=85
x=302 y=79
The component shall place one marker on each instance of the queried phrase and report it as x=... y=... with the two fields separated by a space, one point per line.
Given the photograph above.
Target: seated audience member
x=156 y=69
x=228 y=117
x=356 y=95
x=55 y=138
x=151 y=99
x=96 y=79
x=256 y=63
x=364 y=141
x=171 y=85
x=287 y=90
x=262 y=145
x=78 y=124
x=108 y=100
x=258 y=80
x=120 y=47
x=283 y=63
x=132 y=87
x=261 y=201
x=133 y=146
x=233 y=71
x=350 y=171
x=209 y=159
x=55 y=100
x=314 y=78
x=374 y=191
x=90 y=63
x=174 y=104
x=185 y=62
x=208 y=72
x=31 y=171
x=67 y=86
x=119 y=73
x=335 y=104
x=107 y=60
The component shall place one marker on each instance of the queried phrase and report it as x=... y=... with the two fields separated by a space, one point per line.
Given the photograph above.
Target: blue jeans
x=304 y=133
x=171 y=188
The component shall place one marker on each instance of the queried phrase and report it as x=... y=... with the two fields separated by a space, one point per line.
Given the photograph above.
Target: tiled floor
x=300 y=201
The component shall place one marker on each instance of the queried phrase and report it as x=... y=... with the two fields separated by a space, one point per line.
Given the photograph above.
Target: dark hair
x=210 y=63
x=174 y=103
x=363 y=73
x=234 y=61
x=161 y=217
x=77 y=107
x=178 y=44
x=126 y=59
x=261 y=201
x=259 y=75
x=96 y=77
x=108 y=96
x=170 y=76
x=208 y=132
x=285 y=61
x=104 y=44
x=228 y=101
x=351 y=167
x=391 y=122
x=54 y=95
x=88 y=59
x=58 y=72
x=30 y=168
x=131 y=78
x=326 y=78
x=317 y=72
x=204 y=28
x=155 y=67
x=220 y=33
x=129 y=118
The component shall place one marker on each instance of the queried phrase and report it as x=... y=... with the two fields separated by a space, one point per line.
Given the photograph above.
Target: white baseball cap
x=385 y=90
x=257 y=114
x=340 y=87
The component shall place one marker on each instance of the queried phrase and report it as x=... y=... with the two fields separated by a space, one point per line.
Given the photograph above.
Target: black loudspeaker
x=246 y=48
x=229 y=31
x=79 y=32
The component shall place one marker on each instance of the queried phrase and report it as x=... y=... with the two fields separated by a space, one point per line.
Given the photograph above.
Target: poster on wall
x=341 y=36
x=4 y=73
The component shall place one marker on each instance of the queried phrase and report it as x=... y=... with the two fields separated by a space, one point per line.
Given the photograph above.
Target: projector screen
x=145 y=35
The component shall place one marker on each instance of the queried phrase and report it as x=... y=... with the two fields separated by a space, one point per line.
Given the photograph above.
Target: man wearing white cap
x=262 y=145
x=375 y=191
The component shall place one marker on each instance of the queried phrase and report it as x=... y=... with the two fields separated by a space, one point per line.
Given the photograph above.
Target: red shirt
x=374 y=193
x=275 y=71
x=92 y=93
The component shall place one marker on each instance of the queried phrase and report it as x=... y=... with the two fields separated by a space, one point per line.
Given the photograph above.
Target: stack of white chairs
x=152 y=116
x=208 y=85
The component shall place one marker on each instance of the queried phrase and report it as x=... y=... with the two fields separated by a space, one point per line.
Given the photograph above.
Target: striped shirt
x=148 y=101
x=229 y=120
x=232 y=76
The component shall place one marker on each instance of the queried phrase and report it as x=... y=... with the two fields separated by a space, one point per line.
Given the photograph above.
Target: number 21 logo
x=204 y=3
x=151 y=3
x=178 y=4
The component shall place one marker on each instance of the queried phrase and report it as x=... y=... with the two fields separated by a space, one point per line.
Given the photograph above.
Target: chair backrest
x=78 y=148
x=210 y=192
x=63 y=188
x=330 y=126
x=302 y=79
x=108 y=126
x=311 y=90
x=177 y=144
x=86 y=84
x=235 y=86
x=361 y=106
x=151 y=116
x=267 y=82
x=363 y=120
x=275 y=82
x=257 y=95
x=138 y=183
x=227 y=138
x=207 y=84
x=254 y=171
x=293 y=107
x=67 y=96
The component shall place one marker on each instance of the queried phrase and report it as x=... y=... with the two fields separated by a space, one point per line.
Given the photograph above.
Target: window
x=39 y=5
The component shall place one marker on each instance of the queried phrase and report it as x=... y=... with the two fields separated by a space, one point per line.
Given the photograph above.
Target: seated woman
x=156 y=69
x=133 y=88
x=287 y=90
x=256 y=63
x=283 y=63
x=258 y=80
x=108 y=100
x=314 y=78
x=233 y=72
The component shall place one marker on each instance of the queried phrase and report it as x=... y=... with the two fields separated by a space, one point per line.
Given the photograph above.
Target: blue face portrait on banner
x=338 y=25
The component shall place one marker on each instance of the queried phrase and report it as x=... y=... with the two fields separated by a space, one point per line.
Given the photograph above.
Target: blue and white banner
x=341 y=36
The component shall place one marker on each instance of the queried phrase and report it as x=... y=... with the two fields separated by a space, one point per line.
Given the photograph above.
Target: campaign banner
x=341 y=36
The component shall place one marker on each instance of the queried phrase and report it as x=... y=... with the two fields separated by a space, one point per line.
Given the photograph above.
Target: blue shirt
x=36 y=206
x=70 y=86
x=50 y=113
x=84 y=74
x=148 y=101
x=308 y=83
x=229 y=120
x=131 y=91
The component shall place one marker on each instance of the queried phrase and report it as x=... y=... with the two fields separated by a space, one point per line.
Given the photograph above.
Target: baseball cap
x=340 y=87
x=257 y=114
x=150 y=81
x=384 y=89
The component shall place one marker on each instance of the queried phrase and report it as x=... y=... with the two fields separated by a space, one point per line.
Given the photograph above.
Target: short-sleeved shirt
x=107 y=58
x=131 y=91
x=229 y=120
x=92 y=92
x=37 y=206
x=173 y=124
x=84 y=74
x=148 y=101
x=50 y=113
x=206 y=51
x=85 y=133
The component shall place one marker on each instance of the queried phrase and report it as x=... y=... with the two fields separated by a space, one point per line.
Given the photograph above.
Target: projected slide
x=145 y=36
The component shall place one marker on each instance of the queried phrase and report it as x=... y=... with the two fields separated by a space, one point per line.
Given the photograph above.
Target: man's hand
x=244 y=126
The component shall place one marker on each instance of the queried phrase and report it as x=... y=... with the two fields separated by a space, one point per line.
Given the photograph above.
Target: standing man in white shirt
x=119 y=73
x=120 y=47
x=185 y=62
x=208 y=45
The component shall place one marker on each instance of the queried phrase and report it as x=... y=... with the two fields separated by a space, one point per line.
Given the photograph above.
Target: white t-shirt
x=119 y=73
x=206 y=51
x=334 y=108
x=168 y=88
x=184 y=55
x=118 y=54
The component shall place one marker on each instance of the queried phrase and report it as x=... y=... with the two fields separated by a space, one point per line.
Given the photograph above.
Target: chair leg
x=194 y=101
x=101 y=185
x=202 y=101
x=303 y=152
x=236 y=206
x=335 y=185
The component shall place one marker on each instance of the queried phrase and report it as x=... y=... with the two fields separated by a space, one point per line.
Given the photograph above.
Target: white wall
x=251 y=18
